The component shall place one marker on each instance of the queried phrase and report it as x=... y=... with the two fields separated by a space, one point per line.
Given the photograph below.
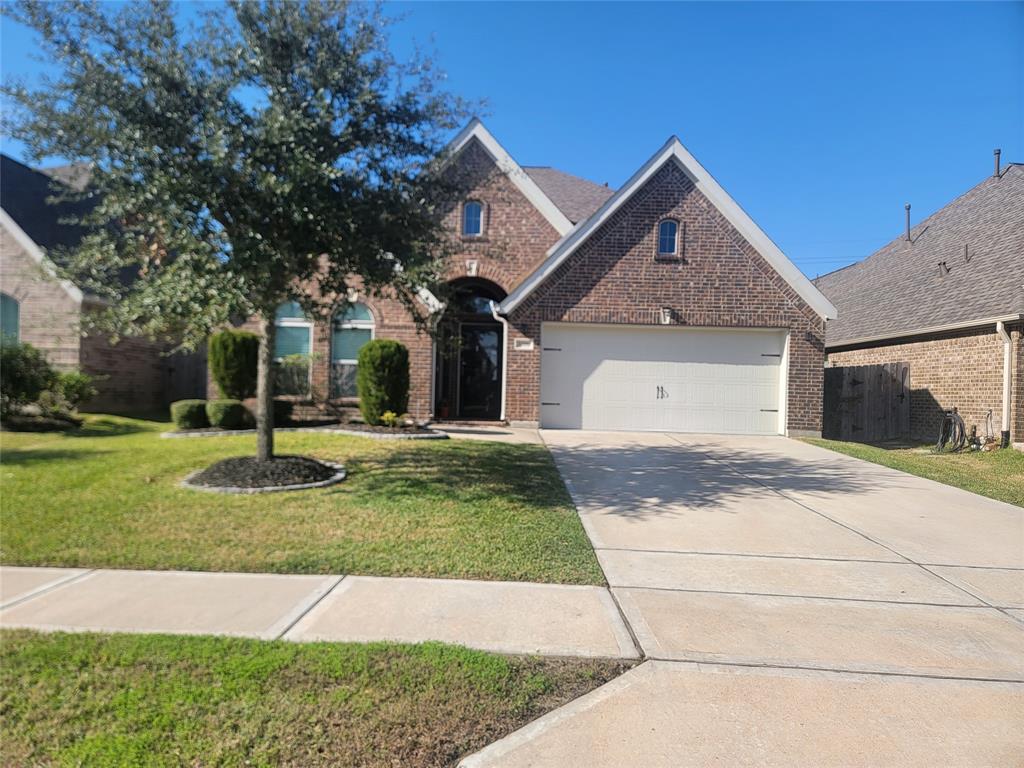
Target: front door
x=480 y=371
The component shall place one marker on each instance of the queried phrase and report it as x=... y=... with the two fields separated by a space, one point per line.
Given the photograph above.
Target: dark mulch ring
x=247 y=472
x=29 y=423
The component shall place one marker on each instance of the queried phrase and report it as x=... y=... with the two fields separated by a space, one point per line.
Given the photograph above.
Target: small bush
x=226 y=414
x=382 y=379
x=26 y=374
x=75 y=389
x=389 y=419
x=282 y=412
x=189 y=414
x=233 y=357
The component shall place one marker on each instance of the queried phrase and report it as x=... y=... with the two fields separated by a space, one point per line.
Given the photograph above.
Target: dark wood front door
x=480 y=371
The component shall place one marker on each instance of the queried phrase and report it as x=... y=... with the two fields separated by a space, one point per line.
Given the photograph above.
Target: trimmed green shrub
x=25 y=374
x=282 y=412
x=233 y=356
x=382 y=379
x=75 y=388
x=226 y=414
x=189 y=414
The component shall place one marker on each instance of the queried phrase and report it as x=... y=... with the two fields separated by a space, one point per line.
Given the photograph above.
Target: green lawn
x=997 y=474
x=155 y=700
x=108 y=496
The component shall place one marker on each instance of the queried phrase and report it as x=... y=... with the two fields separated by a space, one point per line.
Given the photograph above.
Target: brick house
x=947 y=298
x=657 y=306
x=132 y=376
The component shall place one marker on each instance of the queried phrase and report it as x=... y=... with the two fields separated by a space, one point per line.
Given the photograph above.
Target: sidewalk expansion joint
x=296 y=619
x=48 y=588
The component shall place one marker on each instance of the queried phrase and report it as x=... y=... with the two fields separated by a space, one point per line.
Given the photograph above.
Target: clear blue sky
x=822 y=120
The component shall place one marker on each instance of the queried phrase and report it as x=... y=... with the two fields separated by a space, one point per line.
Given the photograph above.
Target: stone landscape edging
x=431 y=434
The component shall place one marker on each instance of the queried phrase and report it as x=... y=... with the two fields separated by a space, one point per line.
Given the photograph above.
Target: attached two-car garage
x=645 y=378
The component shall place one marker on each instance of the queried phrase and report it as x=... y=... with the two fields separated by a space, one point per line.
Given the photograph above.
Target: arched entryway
x=469 y=362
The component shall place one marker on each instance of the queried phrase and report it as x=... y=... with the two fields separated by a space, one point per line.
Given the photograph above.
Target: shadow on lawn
x=103 y=426
x=465 y=471
x=637 y=481
x=10 y=457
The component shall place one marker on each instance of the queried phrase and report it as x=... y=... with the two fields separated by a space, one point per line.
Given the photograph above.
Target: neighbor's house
x=947 y=298
x=47 y=312
x=659 y=306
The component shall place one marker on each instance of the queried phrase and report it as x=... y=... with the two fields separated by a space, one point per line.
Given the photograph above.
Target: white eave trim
x=674 y=150
x=37 y=255
x=476 y=130
x=958 y=326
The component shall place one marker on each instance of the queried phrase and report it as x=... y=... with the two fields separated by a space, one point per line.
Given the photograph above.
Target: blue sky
x=820 y=119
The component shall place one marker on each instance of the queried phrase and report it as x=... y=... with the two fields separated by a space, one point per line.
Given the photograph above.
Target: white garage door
x=661 y=379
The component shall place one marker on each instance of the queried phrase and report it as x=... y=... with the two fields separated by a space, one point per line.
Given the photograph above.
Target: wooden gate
x=867 y=403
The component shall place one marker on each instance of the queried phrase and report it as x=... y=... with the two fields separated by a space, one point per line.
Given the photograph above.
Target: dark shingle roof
x=901 y=288
x=575 y=197
x=23 y=196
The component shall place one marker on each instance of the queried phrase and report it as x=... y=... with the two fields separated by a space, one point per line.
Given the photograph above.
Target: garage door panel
x=650 y=379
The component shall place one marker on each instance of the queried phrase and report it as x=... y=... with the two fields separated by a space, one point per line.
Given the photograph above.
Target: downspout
x=504 y=355
x=1004 y=440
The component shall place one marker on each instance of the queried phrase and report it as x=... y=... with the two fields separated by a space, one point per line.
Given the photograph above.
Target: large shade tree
x=264 y=152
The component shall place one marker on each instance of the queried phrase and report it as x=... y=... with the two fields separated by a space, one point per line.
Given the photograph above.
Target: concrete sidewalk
x=508 y=617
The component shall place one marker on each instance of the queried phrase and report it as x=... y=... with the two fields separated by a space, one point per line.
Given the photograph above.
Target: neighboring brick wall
x=49 y=316
x=962 y=370
x=723 y=282
x=131 y=375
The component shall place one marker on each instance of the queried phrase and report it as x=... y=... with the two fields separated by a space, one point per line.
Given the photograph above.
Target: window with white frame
x=668 y=238
x=473 y=219
x=351 y=329
x=293 y=342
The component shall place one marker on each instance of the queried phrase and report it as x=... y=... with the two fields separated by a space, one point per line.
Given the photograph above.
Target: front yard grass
x=108 y=496
x=156 y=700
x=996 y=474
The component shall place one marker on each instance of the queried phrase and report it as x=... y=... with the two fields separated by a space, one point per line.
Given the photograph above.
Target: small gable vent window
x=472 y=219
x=668 y=238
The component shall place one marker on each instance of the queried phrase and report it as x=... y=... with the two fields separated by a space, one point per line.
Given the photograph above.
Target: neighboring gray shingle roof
x=901 y=288
x=23 y=195
x=575 y=197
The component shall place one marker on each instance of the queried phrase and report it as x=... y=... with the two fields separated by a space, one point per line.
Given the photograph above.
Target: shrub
x=382 y=379
x=226 y=414
x=282 y=412
x=75 y=388
x=233 y=356
x=389 y=419
x=189 y=414
x=24 y=375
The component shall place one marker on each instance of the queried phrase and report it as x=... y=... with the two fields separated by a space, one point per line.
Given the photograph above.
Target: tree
x=276 y=150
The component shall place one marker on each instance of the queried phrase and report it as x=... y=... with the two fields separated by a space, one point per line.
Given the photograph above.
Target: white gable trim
x=673 y=150
x=476 y=130
x=37 y=255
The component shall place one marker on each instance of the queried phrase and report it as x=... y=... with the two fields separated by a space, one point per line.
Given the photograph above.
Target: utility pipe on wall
x=1004 y=440
x=504 y=355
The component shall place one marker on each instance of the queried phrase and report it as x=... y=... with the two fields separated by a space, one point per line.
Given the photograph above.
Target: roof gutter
x=964 y=325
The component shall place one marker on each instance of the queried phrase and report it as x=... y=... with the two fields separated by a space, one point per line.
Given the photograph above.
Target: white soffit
x=476 y=130
x=673 y=150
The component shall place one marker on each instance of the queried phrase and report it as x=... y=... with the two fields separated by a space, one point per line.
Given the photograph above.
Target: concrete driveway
x=800 y=607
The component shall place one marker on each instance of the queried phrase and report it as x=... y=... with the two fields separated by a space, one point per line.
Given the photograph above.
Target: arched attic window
x=473 y=219
x=668 y=238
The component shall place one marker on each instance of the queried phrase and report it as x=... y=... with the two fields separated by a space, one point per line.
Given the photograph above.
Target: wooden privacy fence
x=867 y=403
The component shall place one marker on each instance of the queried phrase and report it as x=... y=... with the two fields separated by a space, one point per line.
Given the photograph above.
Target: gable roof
x=476 y=130
x=901 y=289
x=674 y=151
x=35 y=223
x=575 y=197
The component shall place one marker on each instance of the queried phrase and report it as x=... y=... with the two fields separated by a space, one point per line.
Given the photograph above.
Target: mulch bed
x=247 y=472
x=356 y=426
x=27 y=423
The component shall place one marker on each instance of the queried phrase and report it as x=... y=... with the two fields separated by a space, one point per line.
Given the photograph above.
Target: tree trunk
x=265 y=392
